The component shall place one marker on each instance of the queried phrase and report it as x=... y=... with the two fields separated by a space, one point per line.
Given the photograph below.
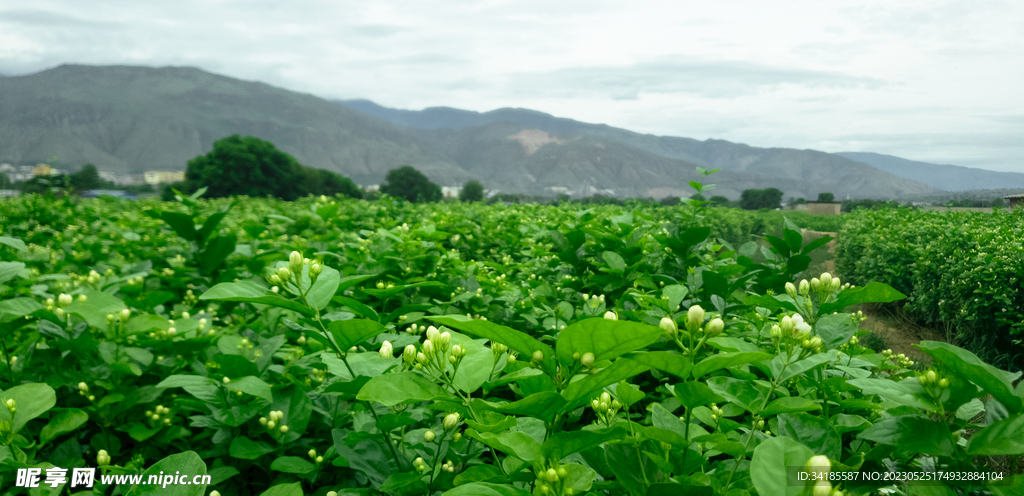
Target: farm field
x=328 y=346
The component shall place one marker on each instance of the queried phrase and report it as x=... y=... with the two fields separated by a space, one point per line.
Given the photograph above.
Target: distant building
x=162 y=177
x=1014 y=201
x=371 y=187
x=823 y=208
x=451 y=191
x=41 y=170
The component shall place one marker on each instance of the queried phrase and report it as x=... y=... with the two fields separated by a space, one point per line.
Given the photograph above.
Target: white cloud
x=937 y=81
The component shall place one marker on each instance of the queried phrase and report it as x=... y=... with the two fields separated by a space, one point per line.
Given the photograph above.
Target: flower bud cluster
x=160 y=414
x=419 y=464
x=316 y=458
x=792 y=327
x=415 y=329
x=274 y=422
x=383 y=285
x=448 y=466
x=605 y=407
x=901 y=359
x=716 y=413
x=552 y=481
x=12 y=406
x=386 y=350
x=102 y=458
x=932 y=379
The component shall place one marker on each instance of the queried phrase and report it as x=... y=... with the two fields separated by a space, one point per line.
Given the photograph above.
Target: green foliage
x=826 y=197
x=961 y=271
x=755 y=199
x=409 y=183
x=254 y=167
x=552 y=350
x=472 y=191
x=86 y=178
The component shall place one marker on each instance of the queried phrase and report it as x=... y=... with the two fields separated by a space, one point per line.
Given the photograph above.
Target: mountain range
x=133 y=119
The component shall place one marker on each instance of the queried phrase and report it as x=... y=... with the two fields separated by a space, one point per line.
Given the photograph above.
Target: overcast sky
x=937 y=81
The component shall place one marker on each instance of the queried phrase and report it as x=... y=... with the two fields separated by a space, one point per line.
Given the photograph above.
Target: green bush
x=463 y=349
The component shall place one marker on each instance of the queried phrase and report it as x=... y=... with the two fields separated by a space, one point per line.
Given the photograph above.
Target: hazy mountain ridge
x=802 y=173
x=132 y=119
x=942 y=176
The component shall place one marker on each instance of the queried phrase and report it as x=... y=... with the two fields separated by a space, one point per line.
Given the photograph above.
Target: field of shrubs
x=962 y=272
x=332 y=347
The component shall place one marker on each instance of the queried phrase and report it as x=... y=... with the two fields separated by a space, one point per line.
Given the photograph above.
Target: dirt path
x=890 y=329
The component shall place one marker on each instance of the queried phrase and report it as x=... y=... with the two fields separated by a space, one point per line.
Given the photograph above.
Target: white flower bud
x=451 y=421
x=386 y=350
x=714 y=327
x=610 y=315
x=822 y=488
x=284 y=429
x=805 y=288
x=428 y=348
x=587 y=359
x=826 y=280
x=295 y=259
x=64 y=300
x=82 y=298
x=815 y=284
x=791 y=290
x=429 y=436
x=668 y=325
x=125 y=313
x=818 y=464
x=694 y=317
x=432 y=333
x=538 y=356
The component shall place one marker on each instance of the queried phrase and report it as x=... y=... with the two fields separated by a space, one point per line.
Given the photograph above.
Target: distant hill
x=134 y=119
x=944 y=177
x=799 y=173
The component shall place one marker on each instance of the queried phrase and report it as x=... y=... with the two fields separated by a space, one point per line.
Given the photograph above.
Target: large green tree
x=86 y=178
x=325 y=182
x=472 y=191
x=246 y=166
x=755 y=199
x=826 y=197
x=409 y=183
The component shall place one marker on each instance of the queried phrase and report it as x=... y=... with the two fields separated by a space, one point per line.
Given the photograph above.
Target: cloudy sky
x=934 y=80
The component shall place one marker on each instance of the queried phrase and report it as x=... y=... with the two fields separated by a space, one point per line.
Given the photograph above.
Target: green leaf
x=769 y=465
x=324 y=288
x=96 y=308
x=790 y=404
x=211 y=223
x=479 y=473
x=348 y=333
x=814 y=432
x=672 y=363
x=905 y=392
x=726 y=360
x=476 y=366
x=516 y=444
x=66 y=420
x=235 y=365
x=802 y=366
x=10 y=270
x=15 y=243
x=627 y=394
x=186 y=463
x=614 y=260
x=358 y=307
x=1005 y=437
x=19 y=307
x=628 y=467
x=215 y=252
x=293 y=489
x=516 y=340
x=606 y=339
x=292 y=465
x=998 y=383
x=581 y=390
x=486 y=489
x=912 y=434
x=407 y=481
x=543 y=405
x=251 y=385
x=182 y=224
x=32 y=400
x=247 y=449
x=401 y=387
x=694 y=394
x=835 y=329
x=250 y=292
x=743 y=393
x=564 y=443
x=872 y=292
x=770 y=302
x=675 y=293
